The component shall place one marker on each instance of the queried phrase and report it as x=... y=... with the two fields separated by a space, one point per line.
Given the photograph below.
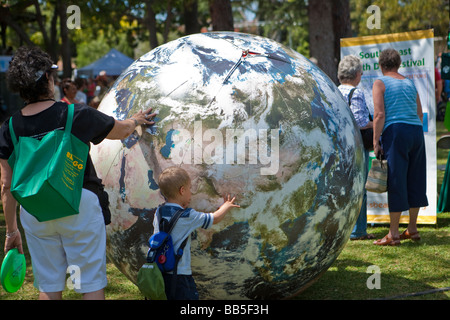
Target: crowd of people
x=89 y=91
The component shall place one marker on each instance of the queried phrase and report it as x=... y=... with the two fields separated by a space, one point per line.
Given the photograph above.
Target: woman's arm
x=419 y=109
x=378 y=115
x=13 y=237
x=123 y=128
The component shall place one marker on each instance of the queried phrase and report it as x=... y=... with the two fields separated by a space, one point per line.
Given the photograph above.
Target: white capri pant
x=77 y=242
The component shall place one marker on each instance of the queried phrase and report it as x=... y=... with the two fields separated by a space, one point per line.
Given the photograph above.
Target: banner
x=417 y=52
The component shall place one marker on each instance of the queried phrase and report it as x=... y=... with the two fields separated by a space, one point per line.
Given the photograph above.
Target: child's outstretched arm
x=224 y=208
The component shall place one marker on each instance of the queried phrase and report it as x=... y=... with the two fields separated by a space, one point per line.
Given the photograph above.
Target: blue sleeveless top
x=400 y=101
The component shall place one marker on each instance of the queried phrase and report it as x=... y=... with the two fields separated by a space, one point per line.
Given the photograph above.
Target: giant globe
x=249 y=117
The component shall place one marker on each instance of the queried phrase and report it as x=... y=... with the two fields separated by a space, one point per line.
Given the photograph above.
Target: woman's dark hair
x=389 y=59
x=27 y=71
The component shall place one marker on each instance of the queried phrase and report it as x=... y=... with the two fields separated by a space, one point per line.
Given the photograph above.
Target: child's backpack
x=161 y=258
x=161 y=246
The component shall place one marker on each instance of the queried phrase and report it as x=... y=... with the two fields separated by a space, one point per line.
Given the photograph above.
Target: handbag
x=150 y=282
x=48 y=174
x=366 y=134
x=377 y=177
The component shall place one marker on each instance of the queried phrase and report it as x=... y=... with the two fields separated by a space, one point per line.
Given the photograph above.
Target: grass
x=411 y=271
x=411 y=268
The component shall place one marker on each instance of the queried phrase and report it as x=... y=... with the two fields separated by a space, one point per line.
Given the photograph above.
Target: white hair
x=349 y=67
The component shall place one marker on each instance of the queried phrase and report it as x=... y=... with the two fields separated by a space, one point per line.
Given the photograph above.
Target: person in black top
x=76 y=242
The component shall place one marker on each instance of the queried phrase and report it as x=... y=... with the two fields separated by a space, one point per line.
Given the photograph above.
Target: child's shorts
x=185 y=287
x=74 y=245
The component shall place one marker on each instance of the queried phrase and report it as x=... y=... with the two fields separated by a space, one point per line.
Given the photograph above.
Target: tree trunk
x=221 y=15
x=341 y=24
x=329 y=21
x=168 y=22
x=150 y=22
x=190 y=17
x=3 y=27
x=65 y=45
x=53 y=50
x=6 y=19
x=41 y=24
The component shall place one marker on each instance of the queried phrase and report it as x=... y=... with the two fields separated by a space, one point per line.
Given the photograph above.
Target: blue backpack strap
x=168 y=227
x=174 y=220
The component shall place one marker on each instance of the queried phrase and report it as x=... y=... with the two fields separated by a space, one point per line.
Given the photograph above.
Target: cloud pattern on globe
x=246 y=116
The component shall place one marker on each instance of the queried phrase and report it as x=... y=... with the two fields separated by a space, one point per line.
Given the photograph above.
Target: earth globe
x=245 y=116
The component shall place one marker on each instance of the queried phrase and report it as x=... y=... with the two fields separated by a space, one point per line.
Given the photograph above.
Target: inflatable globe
x=249 y=117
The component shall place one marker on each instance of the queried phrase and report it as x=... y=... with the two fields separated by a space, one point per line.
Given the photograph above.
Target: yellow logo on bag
x=75 y=163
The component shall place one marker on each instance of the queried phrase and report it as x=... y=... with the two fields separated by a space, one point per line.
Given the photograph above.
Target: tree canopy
x=135 y=27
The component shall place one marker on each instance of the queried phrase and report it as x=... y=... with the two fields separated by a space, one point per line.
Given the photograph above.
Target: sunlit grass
x=410 y=271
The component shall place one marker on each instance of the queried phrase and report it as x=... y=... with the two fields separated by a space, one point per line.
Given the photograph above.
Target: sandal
x=415 y=236
x=387 y=241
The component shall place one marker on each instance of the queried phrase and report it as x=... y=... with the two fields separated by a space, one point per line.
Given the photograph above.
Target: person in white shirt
x=175 y=186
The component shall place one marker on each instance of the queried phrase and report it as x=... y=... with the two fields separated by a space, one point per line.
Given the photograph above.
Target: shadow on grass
x=347 y=278
x=343 y=282
x=443 y=221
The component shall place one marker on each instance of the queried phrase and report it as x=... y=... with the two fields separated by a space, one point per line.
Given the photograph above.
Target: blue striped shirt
x=400 y=102
x=358 y=104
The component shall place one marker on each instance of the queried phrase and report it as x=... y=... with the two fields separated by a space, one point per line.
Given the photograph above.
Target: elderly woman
x=398 y=121
x=77 y=240
x=349 y=74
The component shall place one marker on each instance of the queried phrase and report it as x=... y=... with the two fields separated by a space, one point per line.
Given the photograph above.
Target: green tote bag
x=48 y=175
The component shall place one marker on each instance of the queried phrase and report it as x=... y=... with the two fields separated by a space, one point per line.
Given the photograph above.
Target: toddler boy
x=175 y=186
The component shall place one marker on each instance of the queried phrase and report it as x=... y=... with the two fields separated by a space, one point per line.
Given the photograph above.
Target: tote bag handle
x=67 y=129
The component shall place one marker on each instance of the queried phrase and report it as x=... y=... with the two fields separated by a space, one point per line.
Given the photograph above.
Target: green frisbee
x=12 y=273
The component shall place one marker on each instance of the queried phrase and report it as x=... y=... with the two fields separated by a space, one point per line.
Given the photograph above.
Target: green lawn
x=407 y=269
x=410 y=271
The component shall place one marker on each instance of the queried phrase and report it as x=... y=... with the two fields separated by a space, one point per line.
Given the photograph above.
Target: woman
x=69 y=90
x=78 y=240
x=398 y=121
x=349 y=75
